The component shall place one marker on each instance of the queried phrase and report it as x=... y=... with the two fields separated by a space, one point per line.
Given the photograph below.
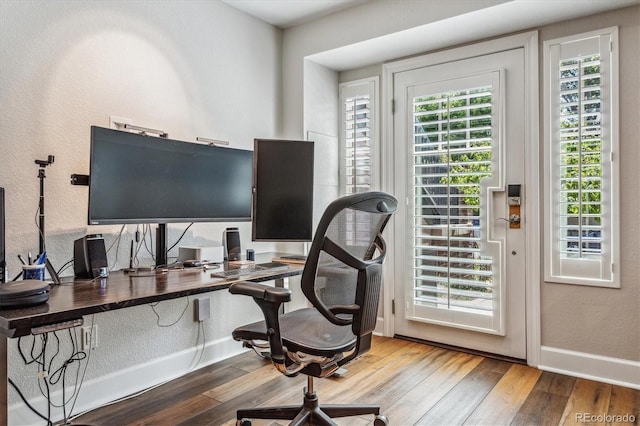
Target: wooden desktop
x=74 y=298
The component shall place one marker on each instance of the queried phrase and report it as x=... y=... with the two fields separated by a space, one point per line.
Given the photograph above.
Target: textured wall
x=191 y=68
x=599 y=320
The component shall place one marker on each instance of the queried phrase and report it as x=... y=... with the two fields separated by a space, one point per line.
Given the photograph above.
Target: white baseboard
x=379 y=330
x=105 y=389
x=604 y=369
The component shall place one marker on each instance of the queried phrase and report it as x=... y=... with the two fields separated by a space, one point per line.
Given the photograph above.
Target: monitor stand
x=161 y=245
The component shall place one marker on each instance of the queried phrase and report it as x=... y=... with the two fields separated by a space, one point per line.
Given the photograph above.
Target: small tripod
x=42 y=163
x=42 y=246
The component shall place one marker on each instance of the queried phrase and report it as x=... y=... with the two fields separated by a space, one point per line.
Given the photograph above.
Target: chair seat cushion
x=304 y=330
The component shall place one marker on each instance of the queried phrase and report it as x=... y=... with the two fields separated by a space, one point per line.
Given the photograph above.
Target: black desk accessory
x=77 y=179
x=42 y=164
x=17 y=294
x=231 y=240
x=90 y=257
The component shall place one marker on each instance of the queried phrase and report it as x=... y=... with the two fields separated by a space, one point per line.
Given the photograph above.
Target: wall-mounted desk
x=73 y=299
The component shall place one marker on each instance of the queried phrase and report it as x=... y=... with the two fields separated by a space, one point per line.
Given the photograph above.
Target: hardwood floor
x=414 y=383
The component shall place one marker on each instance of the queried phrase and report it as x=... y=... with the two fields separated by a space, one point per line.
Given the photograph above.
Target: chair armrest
x=269 y=300
x=261 y=291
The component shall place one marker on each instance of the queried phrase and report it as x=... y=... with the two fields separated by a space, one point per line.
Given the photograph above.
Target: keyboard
x=248 y=271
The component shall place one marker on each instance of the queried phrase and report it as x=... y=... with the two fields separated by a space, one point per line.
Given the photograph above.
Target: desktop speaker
x=3 y=257
x=231 y=239
x=90 y=257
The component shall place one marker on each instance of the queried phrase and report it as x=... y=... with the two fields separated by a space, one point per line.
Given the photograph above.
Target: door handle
x=514 y=199
x=514 y=219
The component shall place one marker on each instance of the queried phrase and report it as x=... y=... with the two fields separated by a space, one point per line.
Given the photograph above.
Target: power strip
x=41 y=329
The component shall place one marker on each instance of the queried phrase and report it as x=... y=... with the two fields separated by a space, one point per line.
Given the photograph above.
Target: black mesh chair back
x=342 y=279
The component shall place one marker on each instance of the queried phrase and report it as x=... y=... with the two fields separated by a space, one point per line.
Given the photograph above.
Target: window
x=455 y=159
x=581 y=137
x=358 y=136
x=451 y=154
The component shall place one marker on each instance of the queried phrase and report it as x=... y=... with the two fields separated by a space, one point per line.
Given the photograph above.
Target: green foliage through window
x=452 y=135
x=581 y=154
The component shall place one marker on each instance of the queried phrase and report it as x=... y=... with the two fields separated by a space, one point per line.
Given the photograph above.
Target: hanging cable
x=153 y=308
x=180 y=238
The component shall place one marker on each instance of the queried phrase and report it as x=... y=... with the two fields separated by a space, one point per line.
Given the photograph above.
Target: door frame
x=531 y=217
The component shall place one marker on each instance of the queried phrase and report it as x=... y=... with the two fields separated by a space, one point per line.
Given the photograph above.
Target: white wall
x=590 y=322
x=321 y=125
x=372 y=20
x=191 y=68
x=596 y=320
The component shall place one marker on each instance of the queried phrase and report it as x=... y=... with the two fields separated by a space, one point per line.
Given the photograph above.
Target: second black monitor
x=283 y=190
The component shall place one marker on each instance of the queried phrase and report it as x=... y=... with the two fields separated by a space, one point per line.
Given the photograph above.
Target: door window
x=454 y=159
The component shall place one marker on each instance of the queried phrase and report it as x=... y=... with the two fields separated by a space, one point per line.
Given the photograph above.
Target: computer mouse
x=191 y=263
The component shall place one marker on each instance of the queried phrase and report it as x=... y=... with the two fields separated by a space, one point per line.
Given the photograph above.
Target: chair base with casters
x=311 y=412
x=318 y=362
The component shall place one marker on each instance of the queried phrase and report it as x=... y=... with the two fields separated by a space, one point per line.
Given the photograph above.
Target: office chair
x=342 y=282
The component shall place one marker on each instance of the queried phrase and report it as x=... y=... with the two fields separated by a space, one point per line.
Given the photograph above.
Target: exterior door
x=459 y=165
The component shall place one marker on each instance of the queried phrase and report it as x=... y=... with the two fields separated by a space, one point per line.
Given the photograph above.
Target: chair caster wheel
x=381 y=421
x=243 y=422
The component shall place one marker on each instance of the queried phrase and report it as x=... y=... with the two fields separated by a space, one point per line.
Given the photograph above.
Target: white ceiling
x=288 y=13
x=510 y=16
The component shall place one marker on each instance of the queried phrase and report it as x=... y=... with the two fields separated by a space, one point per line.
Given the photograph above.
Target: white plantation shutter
x=455 y=279
x=582 y=164
x=452 y=153
x=358 y=136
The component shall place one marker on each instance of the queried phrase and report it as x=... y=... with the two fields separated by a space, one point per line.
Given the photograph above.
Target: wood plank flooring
x=414 y=383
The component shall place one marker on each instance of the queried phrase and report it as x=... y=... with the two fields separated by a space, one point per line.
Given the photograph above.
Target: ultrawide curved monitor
x=143 y=179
